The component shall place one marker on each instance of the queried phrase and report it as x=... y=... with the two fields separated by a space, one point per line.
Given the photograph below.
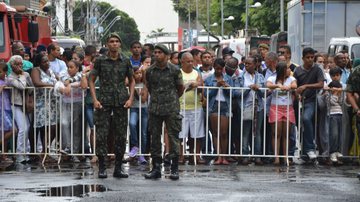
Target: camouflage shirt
x=353 y=82
x=162 y=85
x=112 y=75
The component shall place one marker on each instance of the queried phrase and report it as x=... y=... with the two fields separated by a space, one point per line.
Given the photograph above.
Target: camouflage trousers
x=102 y=119
x=173 y=125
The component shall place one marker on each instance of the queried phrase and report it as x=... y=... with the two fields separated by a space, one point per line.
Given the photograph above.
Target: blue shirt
x=135 y=63
x=211 y=81
x=259 y=80
x=344 y=76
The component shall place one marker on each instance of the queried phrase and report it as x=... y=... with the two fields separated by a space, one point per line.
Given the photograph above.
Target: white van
x=67 y=42
x=349 y=44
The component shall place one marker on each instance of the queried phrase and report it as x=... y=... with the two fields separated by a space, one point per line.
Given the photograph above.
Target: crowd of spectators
x=230 y=108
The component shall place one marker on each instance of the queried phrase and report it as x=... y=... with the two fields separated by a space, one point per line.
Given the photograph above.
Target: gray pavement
x=68 y=182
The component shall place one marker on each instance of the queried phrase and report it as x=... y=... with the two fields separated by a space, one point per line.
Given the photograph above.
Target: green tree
x=265 y=18
x=126 y=27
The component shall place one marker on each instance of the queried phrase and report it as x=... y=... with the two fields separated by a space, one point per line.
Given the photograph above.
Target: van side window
x=355 y=51
x=331 y=50
x=2 y=37
x=11 y=31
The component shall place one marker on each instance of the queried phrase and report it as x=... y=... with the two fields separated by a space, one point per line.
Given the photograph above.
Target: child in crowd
x=281 y=114
x=145 y=63
x=336 y=99
x=219 y=98
x=89 y=106
x=5 y=114
x=139 y=117
x=71 y=122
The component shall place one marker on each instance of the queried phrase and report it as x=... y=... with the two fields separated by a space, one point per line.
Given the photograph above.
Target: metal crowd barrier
x=54 y=139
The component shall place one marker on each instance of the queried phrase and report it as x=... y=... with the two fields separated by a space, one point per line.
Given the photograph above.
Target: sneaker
x=75 y=159
x=142 y=160
x=338 y=155
x=333 y=157
x=311 y=155
x=133 y=151
x=21 y=159
x=65 y=151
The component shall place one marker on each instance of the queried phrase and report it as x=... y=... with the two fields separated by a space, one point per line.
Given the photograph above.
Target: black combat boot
x=174 y=172
x=102 y=168
x=118 y=170
x=155 y=172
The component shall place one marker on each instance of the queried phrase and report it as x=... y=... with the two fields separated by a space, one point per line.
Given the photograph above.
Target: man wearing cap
x=227 y=52
x=113 y=98
x=165 y=85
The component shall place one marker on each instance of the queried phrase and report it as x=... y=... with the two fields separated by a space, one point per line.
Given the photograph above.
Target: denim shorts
x=89 y=115
x=224 y=109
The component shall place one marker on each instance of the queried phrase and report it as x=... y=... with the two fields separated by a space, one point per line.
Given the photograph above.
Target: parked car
x=68 y=42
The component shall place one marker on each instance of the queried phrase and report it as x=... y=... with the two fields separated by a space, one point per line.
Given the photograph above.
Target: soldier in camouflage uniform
x=353 y=92
x=113 y=98
x=165 y=84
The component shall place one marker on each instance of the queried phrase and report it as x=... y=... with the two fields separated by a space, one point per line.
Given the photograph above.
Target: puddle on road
x=79 y=190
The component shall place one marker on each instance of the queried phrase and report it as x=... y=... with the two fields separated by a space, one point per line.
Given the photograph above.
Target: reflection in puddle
x=71 y=191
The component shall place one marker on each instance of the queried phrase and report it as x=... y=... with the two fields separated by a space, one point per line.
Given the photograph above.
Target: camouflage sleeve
x=350 y=82
x=130 y=71
x=96 y=70
x=146 y=79
x=178 y=78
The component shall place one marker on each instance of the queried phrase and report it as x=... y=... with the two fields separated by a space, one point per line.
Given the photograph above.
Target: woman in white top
x=281 y=114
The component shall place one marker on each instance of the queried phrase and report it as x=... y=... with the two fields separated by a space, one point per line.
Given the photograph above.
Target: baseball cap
x=227 y=51
x=263 y=45
x=113 y=35
x=163 y=48
x=40 y=48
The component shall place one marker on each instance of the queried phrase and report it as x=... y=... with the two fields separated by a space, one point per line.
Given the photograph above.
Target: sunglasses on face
x=228 y=67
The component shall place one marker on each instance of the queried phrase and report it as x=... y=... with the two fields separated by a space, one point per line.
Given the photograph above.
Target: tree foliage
x=265 y=18
x=126 y=27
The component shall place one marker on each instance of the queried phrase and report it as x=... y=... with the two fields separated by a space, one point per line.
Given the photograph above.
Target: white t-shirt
x=206 y=74
x=220 y=96
x=281 y=97
x=58 y=66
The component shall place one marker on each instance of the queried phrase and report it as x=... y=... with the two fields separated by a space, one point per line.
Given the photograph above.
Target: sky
x=149 y=14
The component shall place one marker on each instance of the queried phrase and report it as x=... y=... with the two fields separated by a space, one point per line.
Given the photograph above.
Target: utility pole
x=87 y=19
x=66 y=27
x=196 y=23
x=282 y=15
x=222 y=18
x=82 y=19
x=189 y=29
x=208 y=22
x=91 y=18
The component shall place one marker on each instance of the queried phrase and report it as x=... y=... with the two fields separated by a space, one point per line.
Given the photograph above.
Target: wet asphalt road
x=197 y=183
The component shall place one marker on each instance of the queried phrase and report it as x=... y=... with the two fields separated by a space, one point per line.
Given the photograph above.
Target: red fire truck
x=29 y=26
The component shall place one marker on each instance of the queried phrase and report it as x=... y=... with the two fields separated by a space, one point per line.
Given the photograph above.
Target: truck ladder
x=319 y=29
